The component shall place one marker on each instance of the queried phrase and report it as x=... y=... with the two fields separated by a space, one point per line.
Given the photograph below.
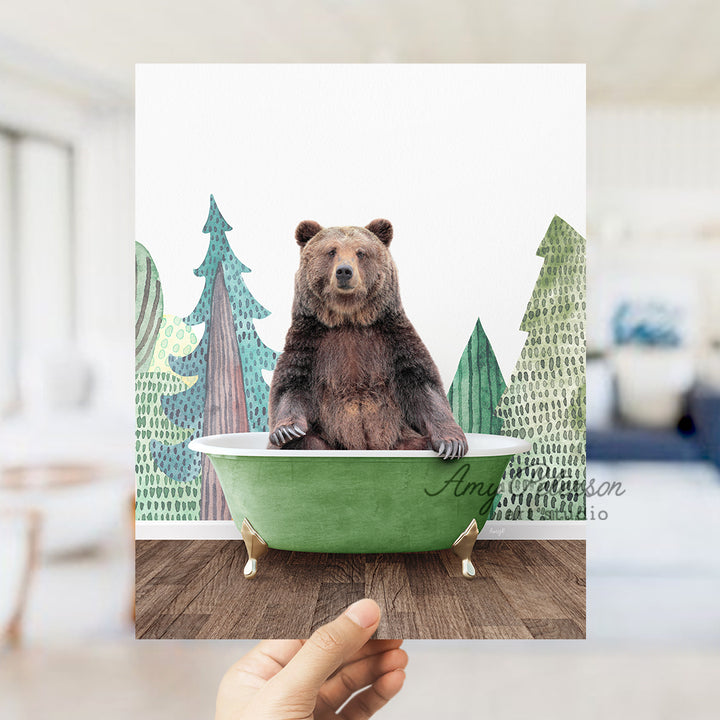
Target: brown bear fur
x=354 y=374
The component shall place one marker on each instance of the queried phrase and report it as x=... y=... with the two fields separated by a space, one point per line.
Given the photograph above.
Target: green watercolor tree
x=148 y=307
x=545 y=400
x=158 y=497
x=477 y=386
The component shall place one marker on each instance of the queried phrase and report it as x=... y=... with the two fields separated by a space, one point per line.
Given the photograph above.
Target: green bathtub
x=357 y=501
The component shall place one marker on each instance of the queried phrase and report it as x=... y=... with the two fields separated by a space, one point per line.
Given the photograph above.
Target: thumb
x=327 y=649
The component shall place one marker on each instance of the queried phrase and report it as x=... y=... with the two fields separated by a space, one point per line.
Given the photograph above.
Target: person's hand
x=312 y=680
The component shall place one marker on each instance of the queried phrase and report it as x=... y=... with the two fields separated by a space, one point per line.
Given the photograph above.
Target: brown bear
x=354 y=374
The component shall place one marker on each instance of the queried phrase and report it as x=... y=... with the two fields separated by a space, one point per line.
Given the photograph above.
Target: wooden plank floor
x=524 y=589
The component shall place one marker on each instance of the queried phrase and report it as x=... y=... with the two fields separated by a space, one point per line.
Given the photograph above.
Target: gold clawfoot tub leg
x=256 y=548
x=463 y=548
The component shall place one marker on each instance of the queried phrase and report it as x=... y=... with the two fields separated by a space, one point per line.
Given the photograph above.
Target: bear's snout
x=343 y=275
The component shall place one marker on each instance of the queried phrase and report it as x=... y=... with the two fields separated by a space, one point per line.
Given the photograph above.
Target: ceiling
x=637 y=51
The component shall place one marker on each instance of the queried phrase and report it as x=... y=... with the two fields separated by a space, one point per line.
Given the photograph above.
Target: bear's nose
x=343 y=273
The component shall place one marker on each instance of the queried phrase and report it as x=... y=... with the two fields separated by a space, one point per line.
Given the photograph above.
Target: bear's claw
x=452 y=449
x=286 y=433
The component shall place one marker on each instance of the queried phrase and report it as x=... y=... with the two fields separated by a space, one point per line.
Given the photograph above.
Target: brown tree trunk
x=225 y=409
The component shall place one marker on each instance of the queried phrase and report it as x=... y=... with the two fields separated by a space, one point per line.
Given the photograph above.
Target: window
x=37 y=268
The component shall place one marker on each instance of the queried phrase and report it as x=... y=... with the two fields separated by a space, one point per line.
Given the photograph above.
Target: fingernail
x=364 y=613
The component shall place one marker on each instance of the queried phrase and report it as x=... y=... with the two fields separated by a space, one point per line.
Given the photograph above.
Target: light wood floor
x=524 y=589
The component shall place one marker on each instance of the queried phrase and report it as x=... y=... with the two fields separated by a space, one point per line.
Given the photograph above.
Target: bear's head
x=346 y=274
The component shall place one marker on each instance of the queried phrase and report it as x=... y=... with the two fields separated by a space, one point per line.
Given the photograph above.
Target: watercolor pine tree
x=545 y=400
x=230 y=394
x=477 y=388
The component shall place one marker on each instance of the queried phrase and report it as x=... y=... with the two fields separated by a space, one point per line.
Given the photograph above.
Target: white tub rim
x=254 y=444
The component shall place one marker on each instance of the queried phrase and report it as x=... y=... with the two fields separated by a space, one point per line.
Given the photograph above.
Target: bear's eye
x=360 y=253
x=331 y=253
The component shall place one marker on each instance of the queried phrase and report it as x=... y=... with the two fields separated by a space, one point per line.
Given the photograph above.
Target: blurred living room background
x=66 y=363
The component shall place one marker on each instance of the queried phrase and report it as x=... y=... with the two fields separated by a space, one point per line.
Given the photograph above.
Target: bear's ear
x=382 y=229
x=306 y=230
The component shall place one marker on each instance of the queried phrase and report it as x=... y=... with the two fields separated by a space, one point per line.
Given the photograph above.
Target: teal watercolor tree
x=230 y=394
x=545 y=400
